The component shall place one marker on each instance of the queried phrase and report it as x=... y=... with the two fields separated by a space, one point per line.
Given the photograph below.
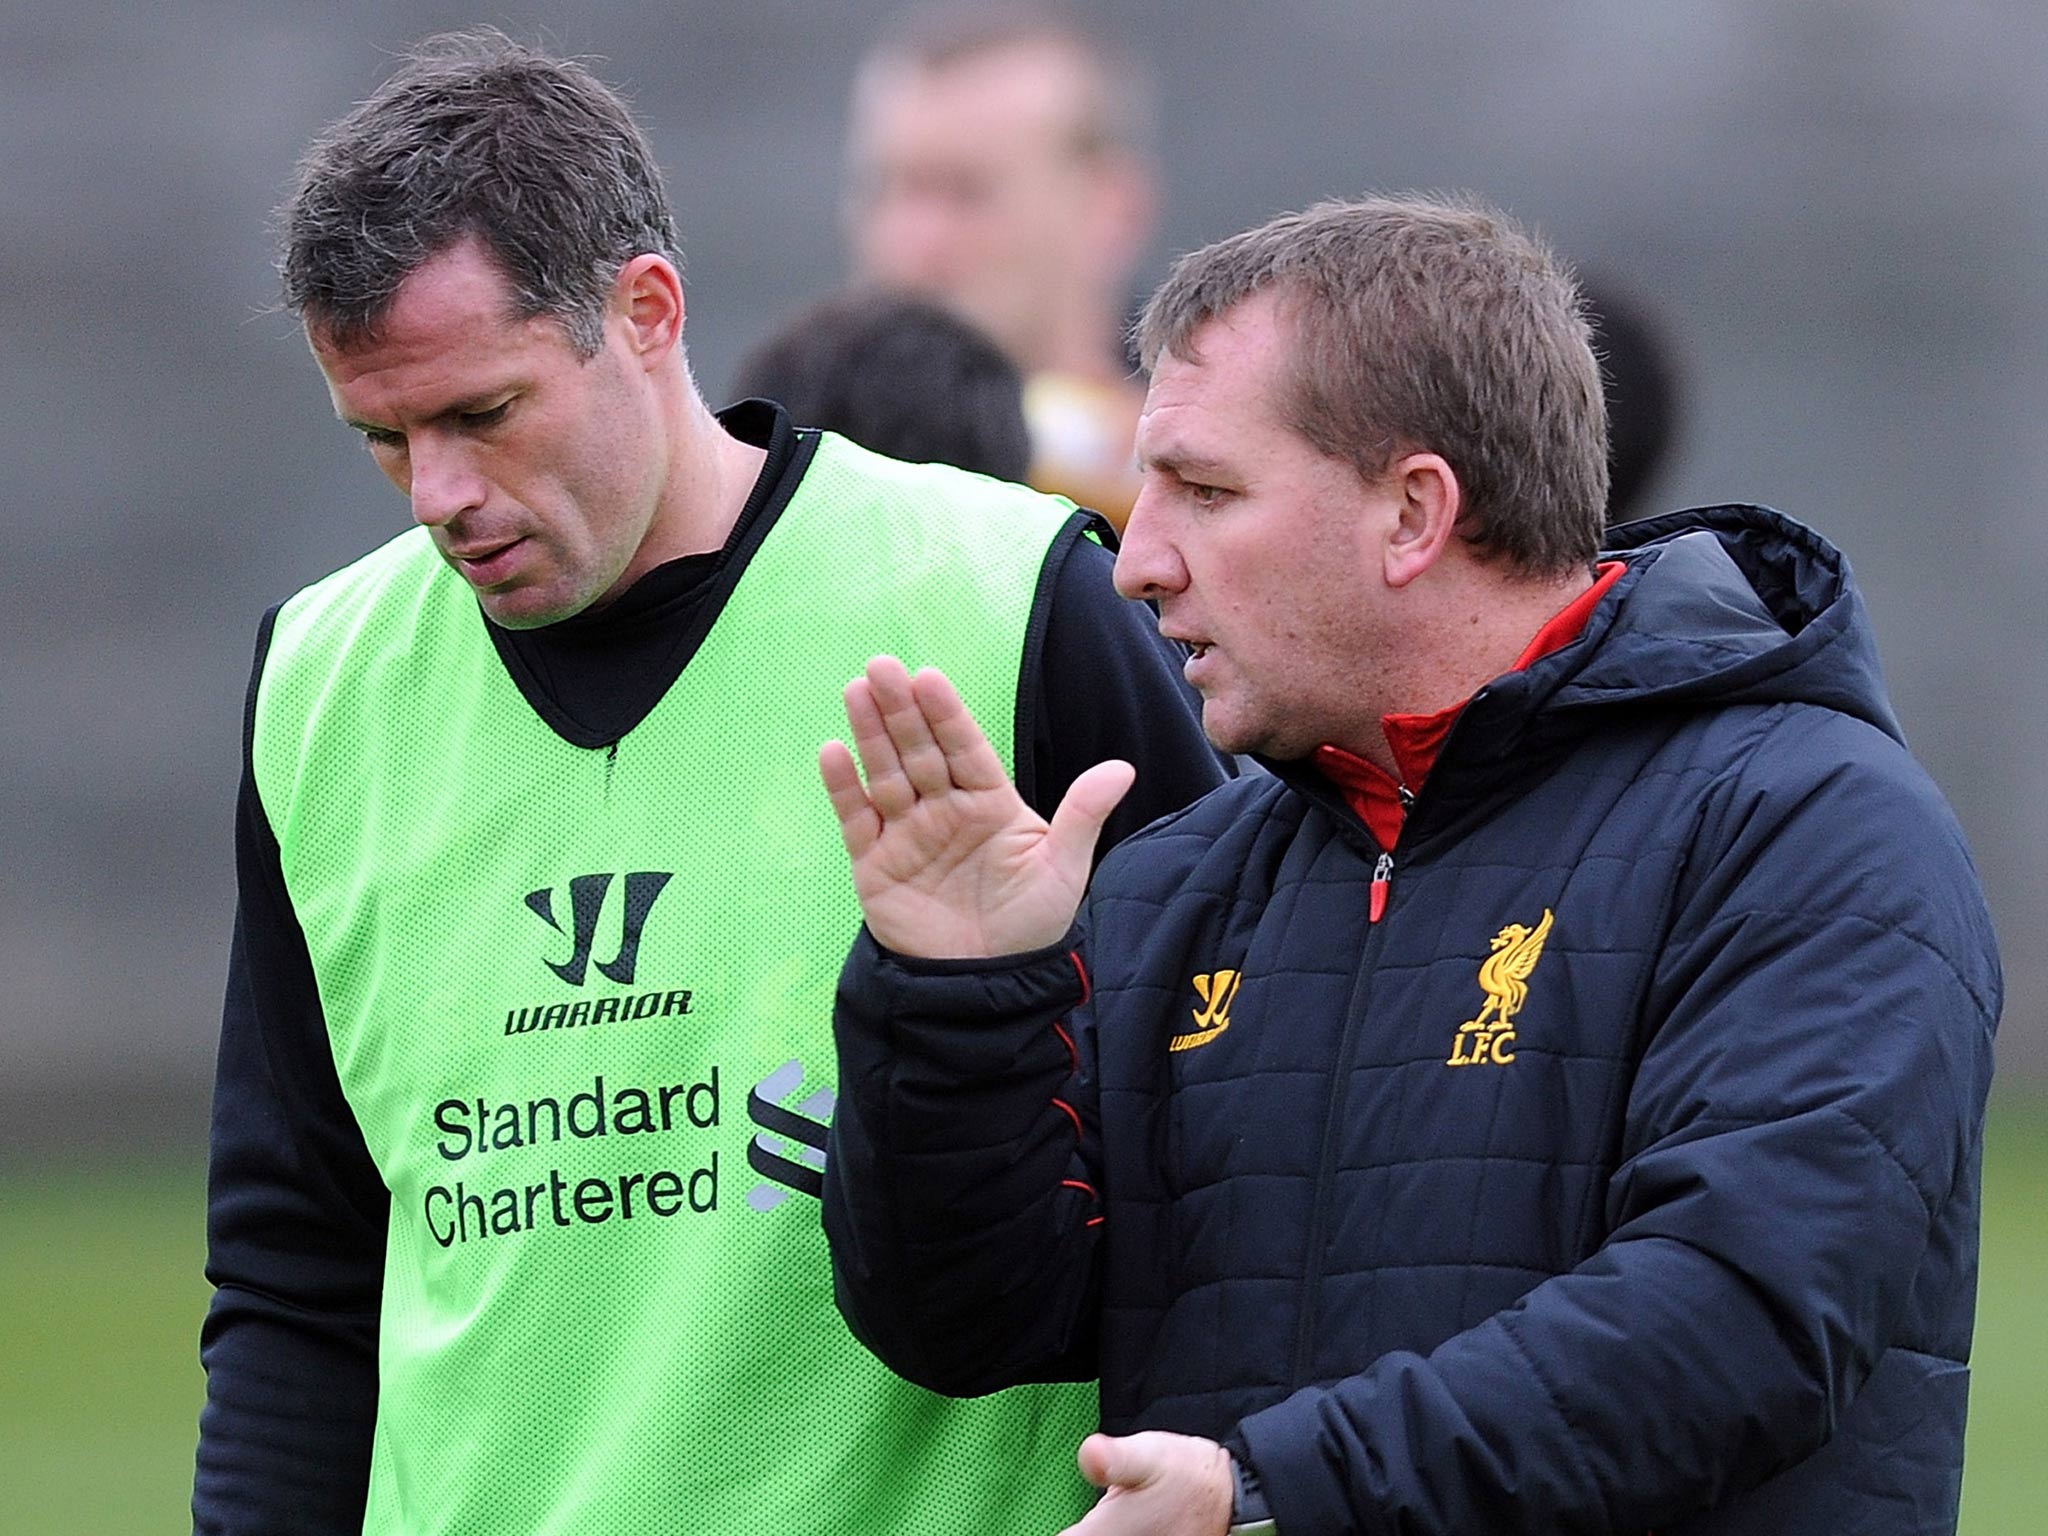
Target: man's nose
x=443 y=485
x=910 y=241
x=1147 y=564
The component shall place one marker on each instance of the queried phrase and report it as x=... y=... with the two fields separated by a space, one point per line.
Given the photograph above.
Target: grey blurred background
x=1838 y=209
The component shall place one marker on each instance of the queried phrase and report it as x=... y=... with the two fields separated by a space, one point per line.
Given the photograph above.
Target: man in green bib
x=526 y=1061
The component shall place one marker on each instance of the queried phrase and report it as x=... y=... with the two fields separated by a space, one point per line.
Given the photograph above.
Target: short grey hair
x=475 y=137
x=1425 y=324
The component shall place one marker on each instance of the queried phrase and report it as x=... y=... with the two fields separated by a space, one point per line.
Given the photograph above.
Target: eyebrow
x=1181 y=465
x=468 y=405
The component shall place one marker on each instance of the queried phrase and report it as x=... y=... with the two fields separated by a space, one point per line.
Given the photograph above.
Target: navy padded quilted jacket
x=1686 y=1241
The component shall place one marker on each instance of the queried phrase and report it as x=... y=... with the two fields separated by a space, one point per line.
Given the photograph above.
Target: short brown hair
x=475 y=137
x=1426 y=324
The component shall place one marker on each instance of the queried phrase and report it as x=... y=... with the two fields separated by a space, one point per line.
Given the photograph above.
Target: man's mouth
x=485 y=564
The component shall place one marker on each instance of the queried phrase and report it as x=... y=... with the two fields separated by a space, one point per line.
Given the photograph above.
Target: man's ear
x=648 y=295
x=1429 y=501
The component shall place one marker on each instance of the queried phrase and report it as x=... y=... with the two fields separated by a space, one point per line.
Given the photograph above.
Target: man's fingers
x=917 y=749
x=916 y=739
x=859 y=825
x=1077 y=824
x=889 y=787
x=971 y=762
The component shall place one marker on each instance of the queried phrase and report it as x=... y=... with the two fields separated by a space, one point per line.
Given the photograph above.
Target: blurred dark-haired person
x=1553 y=1099
x=1000 y=159
x=899 y=375
x=1641 y=378
x=525 y=1065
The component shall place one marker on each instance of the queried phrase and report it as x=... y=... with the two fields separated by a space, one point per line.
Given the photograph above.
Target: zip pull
x=1382 y=878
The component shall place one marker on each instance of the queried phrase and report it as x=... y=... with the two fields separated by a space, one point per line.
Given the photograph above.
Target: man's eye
x=1205 y=495
x=375 y=438
x=489 y=418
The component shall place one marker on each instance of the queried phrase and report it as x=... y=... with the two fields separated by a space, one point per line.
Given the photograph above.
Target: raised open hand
x=948 y=860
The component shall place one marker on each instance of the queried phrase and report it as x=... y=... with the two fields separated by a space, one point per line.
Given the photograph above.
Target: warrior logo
x=789 y=1150
x=1215 y=989
x=586 y=904
x=1504 y=977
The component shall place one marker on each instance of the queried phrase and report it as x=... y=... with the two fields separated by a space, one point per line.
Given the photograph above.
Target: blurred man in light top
x=999 y=161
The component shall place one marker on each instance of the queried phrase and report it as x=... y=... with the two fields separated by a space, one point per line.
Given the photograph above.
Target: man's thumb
x=1102 y=1458
x=1087 y=805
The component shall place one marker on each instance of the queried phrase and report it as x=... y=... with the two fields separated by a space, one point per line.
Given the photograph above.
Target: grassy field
x=2005 y=1476
x=100 y=1383
x=99 y=1364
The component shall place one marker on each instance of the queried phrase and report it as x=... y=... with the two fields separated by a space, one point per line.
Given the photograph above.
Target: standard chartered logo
x=482 y=1132
x=789 y=1150
x=481 y=1135
x=508 y=1137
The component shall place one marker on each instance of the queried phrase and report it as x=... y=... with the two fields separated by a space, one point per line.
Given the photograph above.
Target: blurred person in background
x=899 y=375
x=1553 y=1099
x=1639 y=376
x=1000 y=161
x=524 y=1070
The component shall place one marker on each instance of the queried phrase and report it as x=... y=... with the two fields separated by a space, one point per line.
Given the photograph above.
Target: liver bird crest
x=1504 y=975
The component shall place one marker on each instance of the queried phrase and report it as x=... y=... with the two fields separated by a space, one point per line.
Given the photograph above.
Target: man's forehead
x=426 y=360
x=464 y=275
x=452 y=299
x=1028 y=82
x=1224 y=373
x=1250 y=336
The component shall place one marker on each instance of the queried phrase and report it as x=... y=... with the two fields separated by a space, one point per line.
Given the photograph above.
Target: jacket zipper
x=1319 y=1219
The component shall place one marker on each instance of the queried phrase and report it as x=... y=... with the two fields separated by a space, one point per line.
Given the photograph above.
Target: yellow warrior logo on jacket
x=1215 y=989
x=1504 y=978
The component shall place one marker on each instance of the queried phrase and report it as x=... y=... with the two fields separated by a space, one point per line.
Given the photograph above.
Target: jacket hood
x=1730 y=605
x=1719 y=606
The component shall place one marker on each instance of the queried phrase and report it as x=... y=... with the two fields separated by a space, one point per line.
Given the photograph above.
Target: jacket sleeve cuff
x=973 y=965
x=1299 y=1468
x=963 y=1015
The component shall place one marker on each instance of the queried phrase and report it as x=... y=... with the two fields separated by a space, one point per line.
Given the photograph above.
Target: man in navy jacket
x=1550 y=1101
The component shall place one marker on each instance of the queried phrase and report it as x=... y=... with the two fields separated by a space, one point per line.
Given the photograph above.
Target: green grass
x=100 y=1385
x=2005 y=1477
x=100 y=1301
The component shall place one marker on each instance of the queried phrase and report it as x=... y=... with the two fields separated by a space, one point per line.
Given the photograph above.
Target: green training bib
x=580 y=1002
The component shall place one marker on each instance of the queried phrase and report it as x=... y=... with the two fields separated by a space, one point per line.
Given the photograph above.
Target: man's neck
x=710 y=476
x=1478 y=629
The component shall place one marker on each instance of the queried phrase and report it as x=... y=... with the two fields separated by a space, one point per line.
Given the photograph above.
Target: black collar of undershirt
x=597 y=674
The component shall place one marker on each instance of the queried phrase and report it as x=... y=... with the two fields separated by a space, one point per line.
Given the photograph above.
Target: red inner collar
x=1415 y=740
